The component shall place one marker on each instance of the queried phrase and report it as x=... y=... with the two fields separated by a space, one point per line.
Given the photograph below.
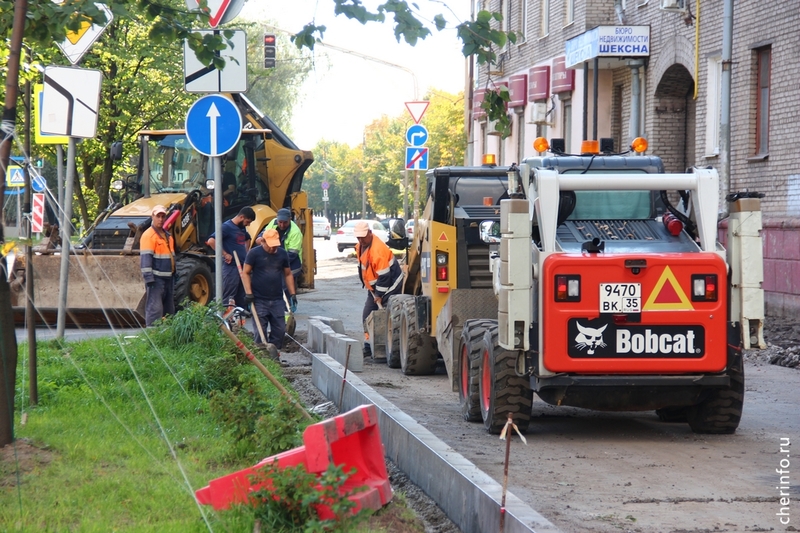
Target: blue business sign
x=213 y=125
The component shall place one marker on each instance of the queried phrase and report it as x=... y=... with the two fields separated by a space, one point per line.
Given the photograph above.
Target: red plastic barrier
x=351 y=440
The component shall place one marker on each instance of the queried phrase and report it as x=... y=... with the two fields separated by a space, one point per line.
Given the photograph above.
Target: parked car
x=410 y=228
x=346 y=239
x=322 y=228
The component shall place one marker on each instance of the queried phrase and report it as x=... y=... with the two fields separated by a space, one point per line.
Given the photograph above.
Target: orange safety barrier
x=351 y=440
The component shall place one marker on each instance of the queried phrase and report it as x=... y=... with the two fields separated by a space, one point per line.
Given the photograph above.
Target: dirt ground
x=593 y=471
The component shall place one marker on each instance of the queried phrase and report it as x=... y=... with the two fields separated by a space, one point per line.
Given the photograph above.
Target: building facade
x=672 y=96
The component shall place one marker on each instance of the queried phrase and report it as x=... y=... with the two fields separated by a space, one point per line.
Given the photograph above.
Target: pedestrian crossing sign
x=15 y=177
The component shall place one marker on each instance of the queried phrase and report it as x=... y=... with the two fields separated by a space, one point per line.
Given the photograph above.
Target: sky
x=344 y=92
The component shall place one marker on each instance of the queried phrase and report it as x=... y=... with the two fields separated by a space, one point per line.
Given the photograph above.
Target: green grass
x=129 y=434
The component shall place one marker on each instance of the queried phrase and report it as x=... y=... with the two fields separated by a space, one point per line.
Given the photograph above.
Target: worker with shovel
x=378 y=271
x=265 y=268
x=235 y=240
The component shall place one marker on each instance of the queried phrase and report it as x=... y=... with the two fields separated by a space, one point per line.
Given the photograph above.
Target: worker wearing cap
x=157 y=261
x=379 y=272
x=235 y=239
x=266 y=268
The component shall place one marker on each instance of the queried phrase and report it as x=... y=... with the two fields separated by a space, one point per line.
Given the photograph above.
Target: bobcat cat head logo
x=590 y=338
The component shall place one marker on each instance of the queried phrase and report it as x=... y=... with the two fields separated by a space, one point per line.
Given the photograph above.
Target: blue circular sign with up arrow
x=213 y=125
x=417 y=135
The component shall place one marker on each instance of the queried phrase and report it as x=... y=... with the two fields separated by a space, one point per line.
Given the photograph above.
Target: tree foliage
x=380 y=159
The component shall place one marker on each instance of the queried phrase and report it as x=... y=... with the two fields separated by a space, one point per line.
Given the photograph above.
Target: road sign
x=78 y=43
x=15 y=176
x=38 y=135
x=416 y=158
x=325 y=185
x=38 y=183
x=37 y=213
x=199 y=78
x=213 y=125
x=71 y=101
x=417 y=109
x=216 y=9
x=417 y=135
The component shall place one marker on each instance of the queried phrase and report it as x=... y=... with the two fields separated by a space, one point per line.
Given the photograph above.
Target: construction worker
x=291 y=239
x=379 y=272
x=234 y=239
x=157 y=261
x=265 y=267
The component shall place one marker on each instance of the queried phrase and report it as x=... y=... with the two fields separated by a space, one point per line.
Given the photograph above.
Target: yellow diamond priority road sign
x=78 y=42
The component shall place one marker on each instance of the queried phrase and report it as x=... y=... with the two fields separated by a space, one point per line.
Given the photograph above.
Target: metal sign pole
x=218 y=227
x=66 y=233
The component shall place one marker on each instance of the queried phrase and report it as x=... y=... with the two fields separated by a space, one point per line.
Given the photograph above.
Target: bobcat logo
x=590 y=338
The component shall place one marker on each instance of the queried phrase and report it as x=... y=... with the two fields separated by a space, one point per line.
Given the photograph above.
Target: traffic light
x=269 y=50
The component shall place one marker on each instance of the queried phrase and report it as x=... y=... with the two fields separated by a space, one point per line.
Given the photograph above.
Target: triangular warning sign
x=667 y=295
x=417 y=109
x=443 y=237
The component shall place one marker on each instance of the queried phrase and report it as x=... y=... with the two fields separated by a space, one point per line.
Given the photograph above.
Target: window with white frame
x=714 y=108
x=569 y=12
x=544 y=18
x=523 y=22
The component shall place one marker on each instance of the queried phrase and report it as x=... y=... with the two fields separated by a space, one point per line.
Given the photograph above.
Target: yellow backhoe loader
x=264 y=171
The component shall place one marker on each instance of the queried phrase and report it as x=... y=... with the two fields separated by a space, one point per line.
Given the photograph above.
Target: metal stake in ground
x=253 y=359
x=344 y=376
x=509 y=423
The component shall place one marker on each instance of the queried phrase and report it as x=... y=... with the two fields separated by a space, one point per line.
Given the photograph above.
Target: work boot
x=367 y=351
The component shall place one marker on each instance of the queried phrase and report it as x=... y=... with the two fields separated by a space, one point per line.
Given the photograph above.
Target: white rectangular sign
x=71 y=101
x=231 y=79
x=608 y=41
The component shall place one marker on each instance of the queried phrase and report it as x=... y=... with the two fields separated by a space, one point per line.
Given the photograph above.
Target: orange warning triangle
x=443 y=237
x=667 y=295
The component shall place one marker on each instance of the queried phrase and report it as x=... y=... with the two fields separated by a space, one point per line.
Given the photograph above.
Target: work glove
x=250 y=299
x=293 y=303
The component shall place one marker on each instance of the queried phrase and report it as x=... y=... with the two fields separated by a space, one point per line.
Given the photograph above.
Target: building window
x=520 y=135
x=523 y=22
x=714 y=110
x=763 y=56
x=569 y=12
x=544 y=13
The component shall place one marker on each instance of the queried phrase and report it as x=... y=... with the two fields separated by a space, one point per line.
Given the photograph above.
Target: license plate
x=620 y=297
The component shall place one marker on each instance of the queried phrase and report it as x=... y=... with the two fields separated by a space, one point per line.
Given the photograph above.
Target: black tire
x=672 y=414
x=721 y=409
x=469 y=365
x=327 y=238
x=193 y=280
x=393 y=319
x=501 y=391
x=418 y=352
x=341 y=248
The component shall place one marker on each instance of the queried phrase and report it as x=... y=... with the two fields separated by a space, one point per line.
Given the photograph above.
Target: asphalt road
x=592 y=471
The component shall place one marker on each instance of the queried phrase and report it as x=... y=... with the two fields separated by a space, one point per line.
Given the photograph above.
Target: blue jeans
x=272 y=314
x=160 y=299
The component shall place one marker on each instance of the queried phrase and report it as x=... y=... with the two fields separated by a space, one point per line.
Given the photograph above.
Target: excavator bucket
x=102 y=290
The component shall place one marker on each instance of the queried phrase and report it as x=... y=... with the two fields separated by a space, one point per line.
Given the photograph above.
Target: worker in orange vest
x=379 y=272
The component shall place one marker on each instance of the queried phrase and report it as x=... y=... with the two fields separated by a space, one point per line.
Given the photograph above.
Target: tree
x=48 y=22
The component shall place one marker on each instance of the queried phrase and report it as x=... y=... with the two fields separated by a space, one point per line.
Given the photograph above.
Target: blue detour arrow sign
x=213 y=125
x=417 y=135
